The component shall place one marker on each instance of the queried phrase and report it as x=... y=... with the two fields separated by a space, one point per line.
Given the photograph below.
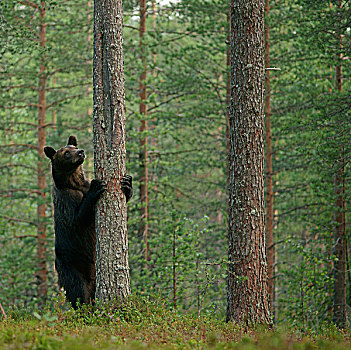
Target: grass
x=146 y=323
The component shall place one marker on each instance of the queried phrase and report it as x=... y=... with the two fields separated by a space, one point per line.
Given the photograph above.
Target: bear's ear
x=49 y=152
x=72 y=141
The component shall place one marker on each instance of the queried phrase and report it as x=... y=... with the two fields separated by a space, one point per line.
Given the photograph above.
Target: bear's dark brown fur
x=74 y=216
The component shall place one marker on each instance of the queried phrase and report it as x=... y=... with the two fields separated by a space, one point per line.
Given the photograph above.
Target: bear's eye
x=66 y=154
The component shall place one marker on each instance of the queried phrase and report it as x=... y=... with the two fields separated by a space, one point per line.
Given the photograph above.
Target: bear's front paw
x=127 y=186
x=97 y=188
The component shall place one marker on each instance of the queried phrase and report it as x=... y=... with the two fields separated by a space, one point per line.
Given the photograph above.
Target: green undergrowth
x=143 y=322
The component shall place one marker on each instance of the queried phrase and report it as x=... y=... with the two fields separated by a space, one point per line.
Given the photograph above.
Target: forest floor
x=141 y=323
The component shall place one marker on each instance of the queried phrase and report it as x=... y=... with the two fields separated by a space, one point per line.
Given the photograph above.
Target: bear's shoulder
x=67 y=194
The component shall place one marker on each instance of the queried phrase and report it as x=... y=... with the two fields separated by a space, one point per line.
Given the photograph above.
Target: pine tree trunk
x=340 y=245
x=269 y=170
x=144 y=195
x=247 y=297
x=228 y=93
x=41 y=210
x=340 y=222
x=153 y=8
x=112 y=267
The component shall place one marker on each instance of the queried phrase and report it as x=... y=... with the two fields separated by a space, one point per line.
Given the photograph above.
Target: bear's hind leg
x=73 y=284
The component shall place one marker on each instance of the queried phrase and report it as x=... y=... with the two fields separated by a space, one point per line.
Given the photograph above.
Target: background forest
x=177 y=146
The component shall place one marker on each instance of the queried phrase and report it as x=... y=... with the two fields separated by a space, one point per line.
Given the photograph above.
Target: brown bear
x=74 y=200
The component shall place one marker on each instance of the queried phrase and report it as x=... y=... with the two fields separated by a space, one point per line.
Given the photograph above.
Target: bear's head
x=67 y=159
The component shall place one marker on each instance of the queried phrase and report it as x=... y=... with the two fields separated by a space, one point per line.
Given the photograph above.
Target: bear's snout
x=80 y=153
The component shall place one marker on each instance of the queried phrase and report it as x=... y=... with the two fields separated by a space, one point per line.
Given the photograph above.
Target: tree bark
x=174 y=269
x=112 y=267
x=339 y=315
x=228 y=95
x=247 y=297
x=41 y=209
x=144 y=195
x=269 y=169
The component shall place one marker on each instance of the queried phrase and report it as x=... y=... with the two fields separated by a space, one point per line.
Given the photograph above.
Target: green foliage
x=66 y=60
x=180 y=272
x=186 y=156
x=310 y=122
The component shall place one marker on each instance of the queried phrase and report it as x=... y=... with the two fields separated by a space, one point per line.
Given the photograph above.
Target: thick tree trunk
x=247 y=297
x=340 y=223
x=144 y=195
x=41 y=210
x=112 y=267
x=269 y=170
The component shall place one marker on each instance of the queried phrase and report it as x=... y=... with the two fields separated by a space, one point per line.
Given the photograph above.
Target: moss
x=141 y=322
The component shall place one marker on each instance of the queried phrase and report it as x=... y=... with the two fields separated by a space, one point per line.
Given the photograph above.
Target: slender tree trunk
x=340 y=222
x=228 y=94
x=144 y=195
x=41 y=210
x=112 y=267
x=54 y=112
x=153 y=6
x=269 y=170
x=247 y=297
x=174 y=256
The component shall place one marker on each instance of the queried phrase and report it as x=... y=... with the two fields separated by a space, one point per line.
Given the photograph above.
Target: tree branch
x=29 y=3
x=26 y=145
x=63 y=99
x=20 y=190
x=8 y=218
x=2 y=311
